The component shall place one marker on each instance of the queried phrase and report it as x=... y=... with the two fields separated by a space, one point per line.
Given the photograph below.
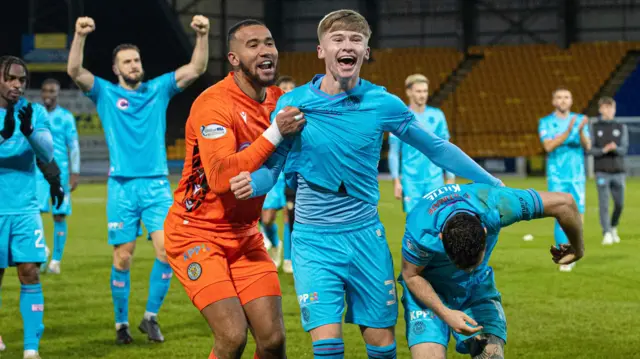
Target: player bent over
x=213 y=242
x=24 y=136
x=449 y=287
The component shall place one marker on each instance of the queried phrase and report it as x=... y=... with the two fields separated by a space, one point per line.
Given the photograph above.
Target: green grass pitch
x=592 y=312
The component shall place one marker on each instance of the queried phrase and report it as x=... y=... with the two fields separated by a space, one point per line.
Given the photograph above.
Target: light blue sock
x=559 y=235
x=272 y=233
x=120 y=287
x=159 y=283
x=287 y=241
x=59 y=239
x=388 y=352
x=32 y=310
x=328 y=349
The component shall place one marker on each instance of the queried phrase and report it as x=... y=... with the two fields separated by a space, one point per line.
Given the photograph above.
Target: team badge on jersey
x=122 y=104
x=194 y=271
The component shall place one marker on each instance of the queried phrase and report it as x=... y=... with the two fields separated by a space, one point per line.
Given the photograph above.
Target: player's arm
x=71 y=138
x=51 y=173
x=217 y=143
x=624 y=142
x=188 y=73
x=595 y=151
x=585 y=139
x=34 y=125
x=414 y=260
x=445 y=154
x=563 y=208
x=393 y=158
x=81 y=76
x=549 y=142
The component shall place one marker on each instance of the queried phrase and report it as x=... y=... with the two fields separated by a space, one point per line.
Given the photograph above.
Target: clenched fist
x=85 y=25
x=241 y=185
x=200 y=24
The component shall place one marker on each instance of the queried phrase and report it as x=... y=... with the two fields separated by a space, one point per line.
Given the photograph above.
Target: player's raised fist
x=85 y=25
x=290 y=121
x=200 y=24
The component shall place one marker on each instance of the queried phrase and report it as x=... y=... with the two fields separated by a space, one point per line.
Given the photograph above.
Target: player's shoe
x=54 y=267
x=267 y=243
x=2 y=346
x=287 y=267
x=276 y=255
x=123 y=335
x=43 y=266
x=607 y=240
x=614 y=234
x=567 y=267
x=31 y=354
x=527 y=237
x=151 y=328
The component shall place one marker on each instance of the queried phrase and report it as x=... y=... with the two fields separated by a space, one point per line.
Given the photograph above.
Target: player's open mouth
x=266 y=65
x=346 y=61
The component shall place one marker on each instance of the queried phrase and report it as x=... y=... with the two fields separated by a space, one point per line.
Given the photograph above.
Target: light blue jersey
x=134 y=123
x=18 y=162
x=415 y=166
x=566 y=162
x=474 y=293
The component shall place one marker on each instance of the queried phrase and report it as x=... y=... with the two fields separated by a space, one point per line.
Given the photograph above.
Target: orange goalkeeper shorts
x=211 y=268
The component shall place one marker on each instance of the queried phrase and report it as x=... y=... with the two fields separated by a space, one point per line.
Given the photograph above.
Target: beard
x=133 y=80
x=255 y=78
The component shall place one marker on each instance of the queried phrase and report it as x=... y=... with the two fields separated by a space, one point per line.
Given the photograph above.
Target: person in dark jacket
x=610 y=141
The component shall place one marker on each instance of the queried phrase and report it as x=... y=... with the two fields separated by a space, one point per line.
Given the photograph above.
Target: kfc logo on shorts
x=194 y=271
x=122 y=104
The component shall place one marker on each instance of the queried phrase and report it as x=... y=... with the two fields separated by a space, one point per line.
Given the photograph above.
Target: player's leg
x=123 y=223
x=201 y=267
x=412 y=194
x=427 y=335
x=43 y=195
x=603 y=185
x=287 y=267
x=60 y=230
x=256 y=280
x=27 y=252
x=617 y=192
x=155 y=198
x=371 y=289
x=320 y=266
x=5 y=232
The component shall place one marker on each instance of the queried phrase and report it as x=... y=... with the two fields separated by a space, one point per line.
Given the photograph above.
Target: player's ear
x=115 y=70
x=233 y=58
x=320 y=52
x=440 y=235
x=367 y=53
x=485 y=230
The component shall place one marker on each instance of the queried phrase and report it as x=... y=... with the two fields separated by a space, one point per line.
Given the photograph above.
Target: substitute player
x=449 y=287
x=565 y=137
x=339 y=247
x=66 y=153
x=419 y=175
x=24 y=136
x=133 y=115
x=212 y=240
x=275 y=201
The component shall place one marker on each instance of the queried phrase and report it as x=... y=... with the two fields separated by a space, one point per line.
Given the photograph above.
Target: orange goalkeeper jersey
x=223 y=137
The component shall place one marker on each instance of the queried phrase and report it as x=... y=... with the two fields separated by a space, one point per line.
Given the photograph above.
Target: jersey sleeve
x=515 y=205
x=98 y=89
x=413 y=251
x=71 y=139
x=41 y=140
x=395 y=115
x=213 y=125
x=443 y=129
x=544 y=131
x=166 y=85
x=394 y=155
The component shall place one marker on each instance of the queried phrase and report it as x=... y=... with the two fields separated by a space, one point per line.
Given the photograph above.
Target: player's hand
x=609 y=147
x=85 y=25
x=571 y=123
x=290 y=121
x=57 y=195
x=397 y=189
x=73 y=181
x=9 y=123
x=25 y=115
x=566 y=254
x=584 y=122
x=457 y=320
x=200 y=24
x=241 y=185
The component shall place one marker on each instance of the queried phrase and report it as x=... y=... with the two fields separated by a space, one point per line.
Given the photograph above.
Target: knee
x=231 y=341
x=59 y=218
x=29 y=273
x=273 y=341
x=161 y=255
x=488 y=346
x=122 y=258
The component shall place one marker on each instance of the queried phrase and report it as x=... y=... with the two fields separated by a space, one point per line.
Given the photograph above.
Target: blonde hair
x=415 y=79
x=344 y=20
